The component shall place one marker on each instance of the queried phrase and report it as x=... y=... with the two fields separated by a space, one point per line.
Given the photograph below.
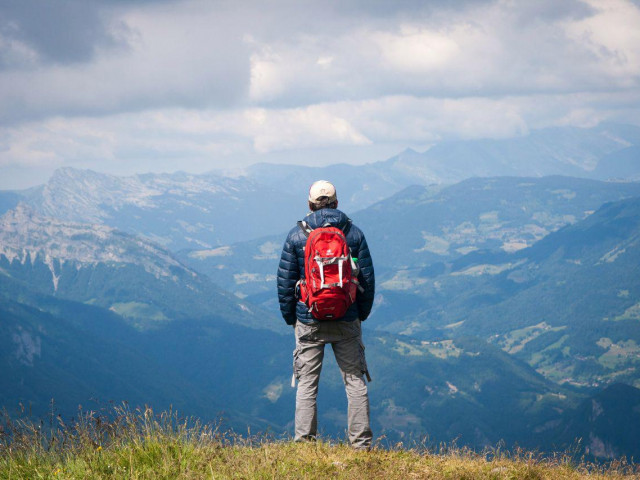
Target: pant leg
x=308 y=357
x=349 y=354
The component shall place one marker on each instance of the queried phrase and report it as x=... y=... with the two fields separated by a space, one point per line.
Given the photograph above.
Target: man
x=344 y=333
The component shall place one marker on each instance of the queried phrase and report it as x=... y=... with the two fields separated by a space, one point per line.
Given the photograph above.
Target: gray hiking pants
x=346 y=340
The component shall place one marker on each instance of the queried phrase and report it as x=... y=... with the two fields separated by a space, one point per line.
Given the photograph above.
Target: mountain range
x=603 y=152
x=175 y=210
x=182 y=210
x=507 y=306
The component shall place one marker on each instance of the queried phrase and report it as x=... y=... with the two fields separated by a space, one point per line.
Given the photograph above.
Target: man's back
x=291 y=268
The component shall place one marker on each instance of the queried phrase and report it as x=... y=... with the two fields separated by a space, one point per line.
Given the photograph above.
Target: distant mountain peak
x=406 y=154
x=409 y=151
x=69 y=171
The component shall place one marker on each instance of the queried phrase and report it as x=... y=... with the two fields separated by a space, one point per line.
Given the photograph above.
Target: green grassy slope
x=139 y=445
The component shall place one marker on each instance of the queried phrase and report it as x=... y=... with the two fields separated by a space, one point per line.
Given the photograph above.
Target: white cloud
x=612 y=35
x=194 y=137
x=491 y=49
x=200 y=136
x=416 y=50
x=313 y=126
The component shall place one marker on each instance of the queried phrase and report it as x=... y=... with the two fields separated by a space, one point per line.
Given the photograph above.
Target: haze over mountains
x=177 y=210
x=603 y=152
x=508 y=297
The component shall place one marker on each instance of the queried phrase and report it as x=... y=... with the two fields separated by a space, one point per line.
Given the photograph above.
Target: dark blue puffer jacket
x=291 y=268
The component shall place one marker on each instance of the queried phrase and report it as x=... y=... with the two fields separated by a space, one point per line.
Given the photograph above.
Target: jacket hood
x=332 y=216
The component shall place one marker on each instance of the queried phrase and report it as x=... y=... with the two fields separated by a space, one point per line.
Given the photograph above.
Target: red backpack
x=331 y=275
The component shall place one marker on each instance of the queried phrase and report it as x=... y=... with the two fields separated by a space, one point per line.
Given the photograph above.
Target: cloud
x=127 y=56
x=65 y=31
x=307 y=127
x=483 y=49
x=416 y=50
x=612 y=36
x=195 y=136
x=194 y=83
x=173 y=57
x=200 y=139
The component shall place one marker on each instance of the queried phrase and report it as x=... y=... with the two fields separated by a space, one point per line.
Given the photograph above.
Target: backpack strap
x=306 y=229
x=347 y=227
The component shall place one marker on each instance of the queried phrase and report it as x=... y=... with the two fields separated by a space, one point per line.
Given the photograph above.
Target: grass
x=137 y=310
x=140 y=445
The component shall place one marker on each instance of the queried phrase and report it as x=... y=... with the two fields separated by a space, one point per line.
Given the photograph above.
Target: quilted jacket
x=291 y=268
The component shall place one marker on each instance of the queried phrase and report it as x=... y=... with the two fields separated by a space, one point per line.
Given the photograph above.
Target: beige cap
x=322 y=193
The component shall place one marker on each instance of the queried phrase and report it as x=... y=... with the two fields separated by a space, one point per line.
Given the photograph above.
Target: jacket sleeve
x=367 y=280
x=288 y=276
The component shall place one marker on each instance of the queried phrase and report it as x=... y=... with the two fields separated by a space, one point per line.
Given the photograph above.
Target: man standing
x=344 y=333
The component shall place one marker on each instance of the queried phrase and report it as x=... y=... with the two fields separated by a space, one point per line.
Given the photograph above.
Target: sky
x=125 y=86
